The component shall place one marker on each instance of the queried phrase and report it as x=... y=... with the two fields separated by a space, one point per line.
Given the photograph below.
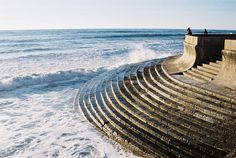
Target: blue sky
x=37 y=14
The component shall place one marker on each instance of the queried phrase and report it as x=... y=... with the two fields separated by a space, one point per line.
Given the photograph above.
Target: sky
x=66 y=14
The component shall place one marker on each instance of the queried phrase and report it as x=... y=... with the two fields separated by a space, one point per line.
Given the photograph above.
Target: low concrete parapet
x=230 y=45
x=198 y=49
x=227 y=75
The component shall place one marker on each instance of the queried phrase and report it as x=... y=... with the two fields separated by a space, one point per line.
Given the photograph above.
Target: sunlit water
x=40 y=73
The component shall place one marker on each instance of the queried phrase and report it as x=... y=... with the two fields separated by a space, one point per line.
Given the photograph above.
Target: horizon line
x=113 y=28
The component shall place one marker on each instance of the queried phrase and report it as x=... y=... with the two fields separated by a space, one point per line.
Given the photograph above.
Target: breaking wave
x=41 y=72
x=139 y=53
x=80 y=75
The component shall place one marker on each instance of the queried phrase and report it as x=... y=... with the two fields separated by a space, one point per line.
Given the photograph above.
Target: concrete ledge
x=198 y=49
x=191 y=39
x=227 y=75
x=230 y=45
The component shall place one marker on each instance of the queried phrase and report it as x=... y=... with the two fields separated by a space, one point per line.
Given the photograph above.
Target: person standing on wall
x=189 y=32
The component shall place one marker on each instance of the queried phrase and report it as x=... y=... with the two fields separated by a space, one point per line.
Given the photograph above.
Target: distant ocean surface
x=40 y=73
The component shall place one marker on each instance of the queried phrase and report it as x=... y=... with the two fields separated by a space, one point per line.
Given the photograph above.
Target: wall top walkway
x=230 y=45
x=210 y=39
x=227 y=75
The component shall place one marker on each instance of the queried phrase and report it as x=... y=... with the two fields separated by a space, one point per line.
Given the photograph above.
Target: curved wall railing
x=198 y=49
x=227 y=74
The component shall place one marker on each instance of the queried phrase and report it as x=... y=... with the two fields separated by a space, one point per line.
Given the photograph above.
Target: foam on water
x=64 y=67
x=139 y=53
x=47 y=79
x=44 y=124
x=40 y=74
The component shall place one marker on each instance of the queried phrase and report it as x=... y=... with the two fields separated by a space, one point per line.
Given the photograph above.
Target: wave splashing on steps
x=40 y=74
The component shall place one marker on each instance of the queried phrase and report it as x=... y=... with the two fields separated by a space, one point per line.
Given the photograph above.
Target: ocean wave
x=139 y=53
x=37 y=49
x=81 y=75
x=26 y=50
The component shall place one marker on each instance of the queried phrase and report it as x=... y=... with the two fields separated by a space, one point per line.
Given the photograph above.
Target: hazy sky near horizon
x=53 y=14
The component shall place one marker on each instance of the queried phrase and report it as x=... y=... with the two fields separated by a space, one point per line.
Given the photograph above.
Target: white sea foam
x=40 y=123
x=80 y=75
x=43 y=124
x=139 y=53
x=37 y=87
x=63 y=68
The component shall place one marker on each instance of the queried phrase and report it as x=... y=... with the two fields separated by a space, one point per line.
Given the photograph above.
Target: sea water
x=40 y=73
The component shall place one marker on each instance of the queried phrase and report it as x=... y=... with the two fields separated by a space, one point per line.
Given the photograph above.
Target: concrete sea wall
x=197 y=50
x=227 y=75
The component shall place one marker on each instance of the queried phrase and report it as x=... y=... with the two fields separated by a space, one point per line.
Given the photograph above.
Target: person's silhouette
x=189 y=32
x=205 y=32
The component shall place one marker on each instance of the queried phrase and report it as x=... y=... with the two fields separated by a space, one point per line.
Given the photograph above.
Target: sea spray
x=140 y=53
x=80 y=75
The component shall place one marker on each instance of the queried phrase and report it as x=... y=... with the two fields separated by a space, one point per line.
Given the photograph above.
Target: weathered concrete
x=227 y=75
x=230 y=45
x=198 y=49
x=155 y=114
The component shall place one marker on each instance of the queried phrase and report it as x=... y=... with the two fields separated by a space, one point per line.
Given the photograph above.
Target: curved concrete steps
x=175 y=126
x=105 y=119
x=204 y=119
x=204 y=73
x=214 y=96
x=204 y=104
x=153 y=114
x=191 y=92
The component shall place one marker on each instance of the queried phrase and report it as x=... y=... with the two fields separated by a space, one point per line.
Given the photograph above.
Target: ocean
x=41 y=72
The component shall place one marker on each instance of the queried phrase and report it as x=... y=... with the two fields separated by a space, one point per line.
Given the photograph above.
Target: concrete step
x=198 y=75
x=128 y=133
x=130 y=126
x=225 y=113
x=193 y=77
x=81 y=103
x=218 y=61
x=146 y=123
x=214 y=114
x=169 y=111
x=90 y=109
x=110 y=128
x=174 y=104
x=208 y=70
x=106 y=129
x=185 y=88
x=158 y=114
x=132 y=86
x=127 y=139
x=168 y=99
x=98 y=118
x=189 y=95
x=215 y=64
x=203 y=73
x=213 y=96
x=164 y=99
x=217 y=69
